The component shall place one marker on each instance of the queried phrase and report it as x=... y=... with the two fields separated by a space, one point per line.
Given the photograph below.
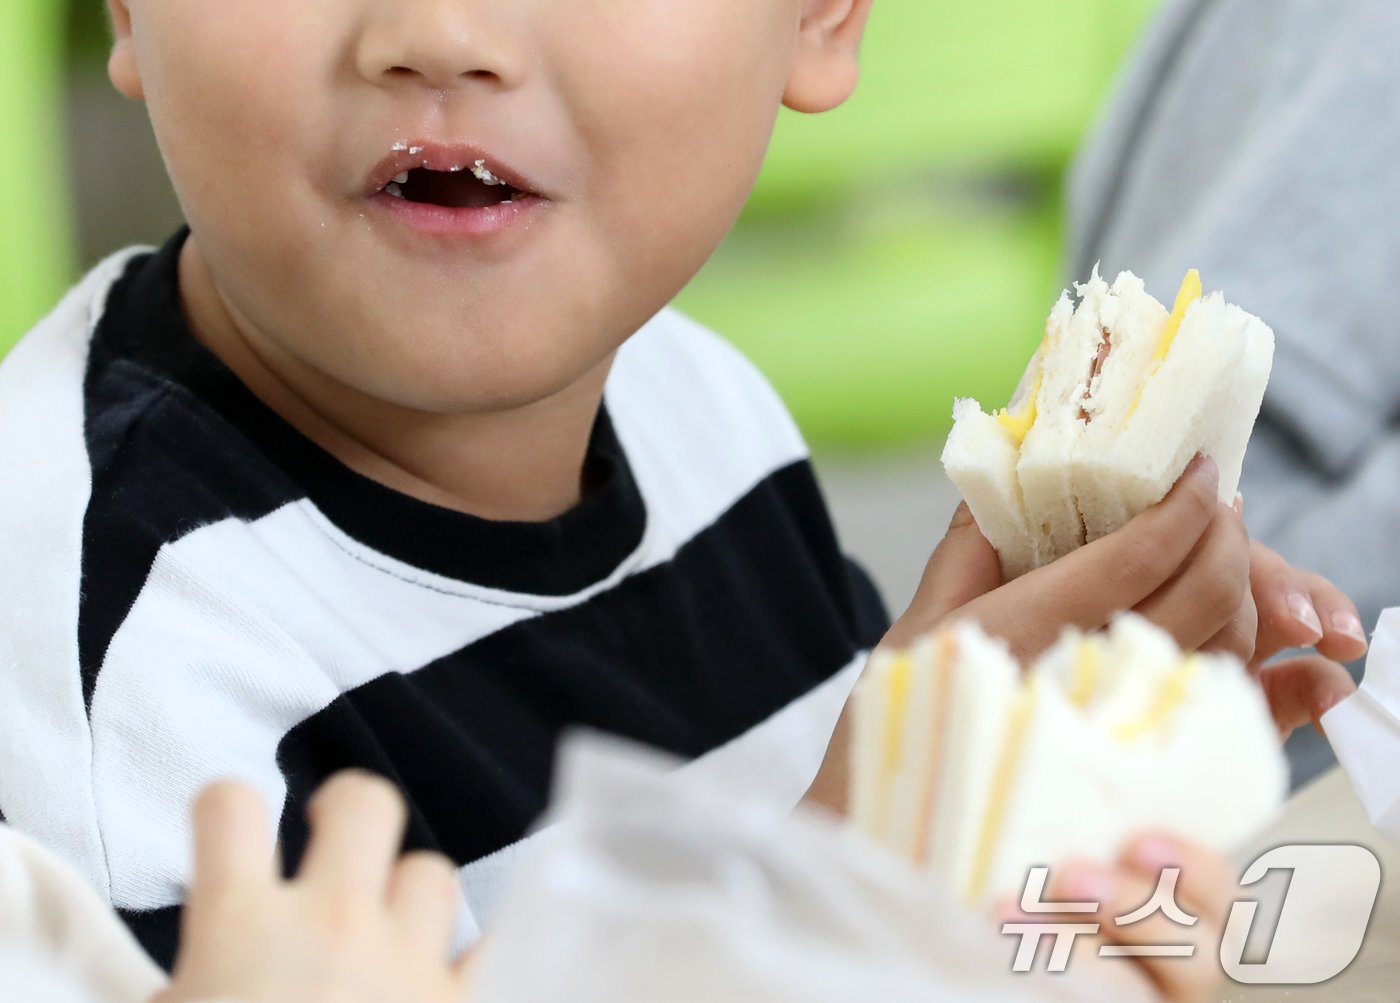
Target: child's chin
x=475 y=390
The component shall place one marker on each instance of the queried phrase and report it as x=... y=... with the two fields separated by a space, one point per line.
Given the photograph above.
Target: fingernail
x=1350 y=625
x=1156 y=854
x=1302 y=610
x=1239 y=504
x=1208 y=471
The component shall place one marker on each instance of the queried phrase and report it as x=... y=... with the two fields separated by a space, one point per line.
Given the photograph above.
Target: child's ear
x=828 y=45
x=121 y=64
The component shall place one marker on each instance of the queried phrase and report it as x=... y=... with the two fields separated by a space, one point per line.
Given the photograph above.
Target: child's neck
x=520 y=465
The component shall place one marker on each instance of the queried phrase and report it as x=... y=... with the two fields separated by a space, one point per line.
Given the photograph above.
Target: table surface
x=1326 y=811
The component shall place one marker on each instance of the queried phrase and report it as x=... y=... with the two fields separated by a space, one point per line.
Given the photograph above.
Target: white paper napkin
x=1364 y=730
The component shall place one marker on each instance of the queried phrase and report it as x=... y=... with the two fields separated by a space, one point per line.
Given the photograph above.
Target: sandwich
x=1115 y=403
x=975 y=772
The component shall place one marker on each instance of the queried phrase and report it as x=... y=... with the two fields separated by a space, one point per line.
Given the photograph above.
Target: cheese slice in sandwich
x=1118 y=399
x=1105 y=738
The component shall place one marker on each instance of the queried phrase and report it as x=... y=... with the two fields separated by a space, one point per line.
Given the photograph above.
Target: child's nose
x=438 y=43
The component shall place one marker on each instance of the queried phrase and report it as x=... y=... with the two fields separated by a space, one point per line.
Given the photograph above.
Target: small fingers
x=1090 y=586
x=1288 y=617
x=1237 y=637
x=232 y=842
x=1208 y=600
x=423 y=898
x=1300 y=690
x=1344 y=638
x=357 y=822
x=1137 y=560
x=1300 y=609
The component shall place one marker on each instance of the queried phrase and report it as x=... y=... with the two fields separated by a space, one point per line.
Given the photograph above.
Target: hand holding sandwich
x=1183 y=564
x=1186 y=564
x=1120 y=396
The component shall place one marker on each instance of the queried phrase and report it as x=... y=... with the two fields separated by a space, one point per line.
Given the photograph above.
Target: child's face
x=641 y=125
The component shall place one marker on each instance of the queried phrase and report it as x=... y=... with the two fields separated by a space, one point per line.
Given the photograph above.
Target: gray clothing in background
x=1259 y=141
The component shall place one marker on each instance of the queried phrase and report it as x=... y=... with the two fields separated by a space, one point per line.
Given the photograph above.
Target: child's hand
x=1184 y=564
x=1205 y=890
x=1300 y=690
x=358 y=923
x=1298 y=609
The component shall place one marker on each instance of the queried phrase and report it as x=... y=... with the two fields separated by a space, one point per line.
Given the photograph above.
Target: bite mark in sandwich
x=1189 y=294
x=1018 y=420
x=1119 y=398
x=1095 y=371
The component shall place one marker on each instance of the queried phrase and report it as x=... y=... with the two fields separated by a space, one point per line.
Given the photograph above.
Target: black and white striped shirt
x=192 y=590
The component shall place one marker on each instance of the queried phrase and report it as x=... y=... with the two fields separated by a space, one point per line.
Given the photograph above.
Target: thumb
x=963 y=567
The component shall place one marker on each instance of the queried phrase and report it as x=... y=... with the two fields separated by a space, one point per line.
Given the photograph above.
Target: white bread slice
x=923 y=798
x=1230 y=439
x=980 y=458
x=1134 y=320
x=982 y=452
x=1108 y=736
x=1043 y=469
x=914 y=752
x=869 y=768
x=984 y=679
x=1203 y=397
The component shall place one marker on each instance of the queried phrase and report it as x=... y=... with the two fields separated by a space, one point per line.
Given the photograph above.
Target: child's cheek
x=674 y=97
x=234 y=91
x=660 y=57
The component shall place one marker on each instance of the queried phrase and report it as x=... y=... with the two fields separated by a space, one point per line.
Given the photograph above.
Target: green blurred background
x=897 y=252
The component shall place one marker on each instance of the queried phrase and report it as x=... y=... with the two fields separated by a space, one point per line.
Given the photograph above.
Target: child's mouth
x=472 y=188
x=445 y=190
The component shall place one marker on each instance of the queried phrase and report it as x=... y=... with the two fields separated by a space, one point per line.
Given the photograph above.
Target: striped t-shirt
x=193 y=591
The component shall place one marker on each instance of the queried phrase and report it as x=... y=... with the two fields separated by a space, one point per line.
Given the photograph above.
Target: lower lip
x=445 y=221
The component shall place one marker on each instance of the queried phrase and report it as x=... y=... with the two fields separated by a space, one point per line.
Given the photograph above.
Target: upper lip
x=407 y=155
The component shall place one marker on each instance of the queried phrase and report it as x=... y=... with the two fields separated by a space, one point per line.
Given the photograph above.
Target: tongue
x=457 y=190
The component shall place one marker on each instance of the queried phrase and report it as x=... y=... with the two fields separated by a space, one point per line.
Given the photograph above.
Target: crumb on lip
x=478 y=169
x=484 y=175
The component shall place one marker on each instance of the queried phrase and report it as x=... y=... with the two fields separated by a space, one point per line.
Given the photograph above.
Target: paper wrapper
x=647 y=887
x=1364 y=730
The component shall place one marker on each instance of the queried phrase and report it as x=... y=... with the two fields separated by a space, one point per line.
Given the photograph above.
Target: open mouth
x=474 y=187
